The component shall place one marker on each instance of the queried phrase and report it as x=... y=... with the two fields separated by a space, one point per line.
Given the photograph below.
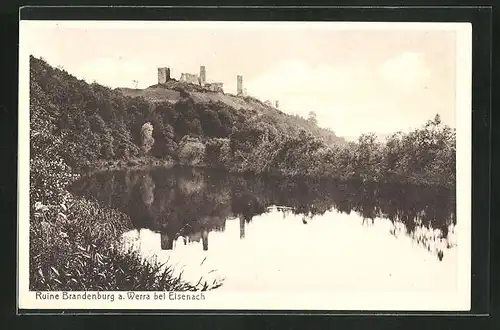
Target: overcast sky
x=356 y=79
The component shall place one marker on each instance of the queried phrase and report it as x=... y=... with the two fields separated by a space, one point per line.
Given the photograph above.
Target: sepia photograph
x=209 y=165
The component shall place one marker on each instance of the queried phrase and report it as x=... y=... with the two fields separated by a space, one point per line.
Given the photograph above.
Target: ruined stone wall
x=215 y=87
x=190 y=78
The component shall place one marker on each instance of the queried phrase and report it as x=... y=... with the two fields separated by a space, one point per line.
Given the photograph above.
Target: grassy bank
x=73 y=246
x=74 y=243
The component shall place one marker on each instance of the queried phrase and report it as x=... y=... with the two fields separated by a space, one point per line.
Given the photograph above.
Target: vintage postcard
x=170 y=165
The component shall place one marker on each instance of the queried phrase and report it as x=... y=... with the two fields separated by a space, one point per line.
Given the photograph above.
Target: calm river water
x=266 y=234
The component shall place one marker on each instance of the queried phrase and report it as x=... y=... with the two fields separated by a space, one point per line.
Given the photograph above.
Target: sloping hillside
x=152 y=94
x=77 y=126
x=174 y=90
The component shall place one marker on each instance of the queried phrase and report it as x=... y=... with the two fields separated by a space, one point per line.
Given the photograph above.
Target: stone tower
x=277 y=104
x=203 y=75
x=239 y=83
x=163 y=75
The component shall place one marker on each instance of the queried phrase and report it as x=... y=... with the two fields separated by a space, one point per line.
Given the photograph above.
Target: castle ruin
x=201 y=80
x=163 y=75
x=190 y=78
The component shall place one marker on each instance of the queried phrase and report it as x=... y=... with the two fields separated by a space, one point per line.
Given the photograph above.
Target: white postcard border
x=458 y=301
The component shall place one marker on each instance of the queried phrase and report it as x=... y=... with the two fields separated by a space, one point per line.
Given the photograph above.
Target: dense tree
x=191 y=151
x=95 y=123
x=147 y=137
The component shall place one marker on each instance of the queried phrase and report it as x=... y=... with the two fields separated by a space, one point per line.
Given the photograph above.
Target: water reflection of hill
x=191 y=202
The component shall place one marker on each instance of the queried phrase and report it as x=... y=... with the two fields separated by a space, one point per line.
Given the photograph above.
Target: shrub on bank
x=74 y=246
x=73 y=242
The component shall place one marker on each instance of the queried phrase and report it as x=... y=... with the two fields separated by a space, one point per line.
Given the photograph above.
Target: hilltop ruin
x=201 y=80
x=192 y=78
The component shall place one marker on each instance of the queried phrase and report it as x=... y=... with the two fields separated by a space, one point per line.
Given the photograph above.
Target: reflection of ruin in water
x=242 y=227
x=190 y=203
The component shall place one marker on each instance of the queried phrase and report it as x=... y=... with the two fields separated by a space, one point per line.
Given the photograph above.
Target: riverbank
x=75 y=243
x=137 y=163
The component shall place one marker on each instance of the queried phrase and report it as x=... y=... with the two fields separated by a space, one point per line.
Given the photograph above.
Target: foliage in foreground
x=74 y=242
x=73 y=246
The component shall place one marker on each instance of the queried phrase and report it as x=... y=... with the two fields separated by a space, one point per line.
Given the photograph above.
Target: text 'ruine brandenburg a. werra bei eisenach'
x=112 y=296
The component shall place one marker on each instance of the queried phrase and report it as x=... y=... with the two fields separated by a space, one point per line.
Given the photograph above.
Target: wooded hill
x=101 y=123
x=93 y=123
x=174 y=90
